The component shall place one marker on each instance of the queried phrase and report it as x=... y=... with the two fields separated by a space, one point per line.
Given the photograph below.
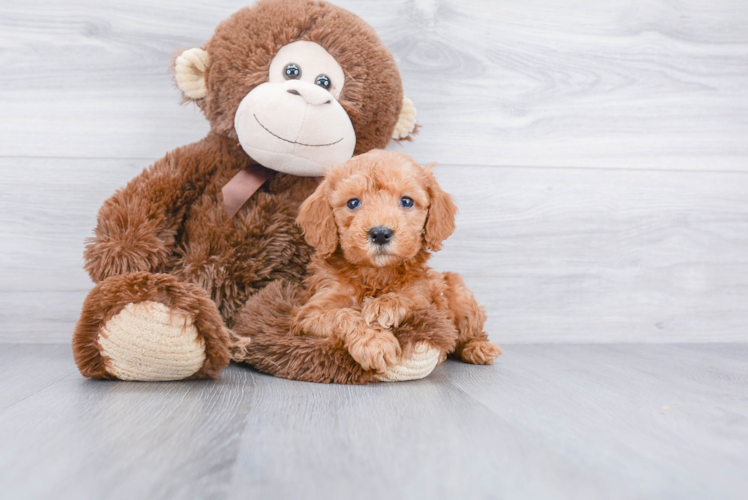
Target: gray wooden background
x=598 y=152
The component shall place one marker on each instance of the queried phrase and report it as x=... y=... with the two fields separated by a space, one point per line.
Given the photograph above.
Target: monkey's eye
x=323 y=82
x=292 y=72
x=406 y=202
x=353 y=203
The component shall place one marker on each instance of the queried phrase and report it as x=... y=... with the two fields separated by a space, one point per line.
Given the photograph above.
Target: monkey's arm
x=138 y=225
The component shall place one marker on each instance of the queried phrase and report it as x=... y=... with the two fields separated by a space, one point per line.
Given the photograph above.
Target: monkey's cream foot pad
x=424 y=360
x=148 y=341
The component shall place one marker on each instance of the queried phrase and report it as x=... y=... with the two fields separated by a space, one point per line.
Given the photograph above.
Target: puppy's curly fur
x=374 y=222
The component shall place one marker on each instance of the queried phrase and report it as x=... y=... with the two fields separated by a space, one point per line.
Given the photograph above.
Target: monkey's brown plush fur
x=367 y=290
x=166 y=237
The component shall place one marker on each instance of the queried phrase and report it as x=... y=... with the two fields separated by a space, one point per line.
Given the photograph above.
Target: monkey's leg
x=262 y=337
x=469 y=317
x=149 y=327
x=425 y=337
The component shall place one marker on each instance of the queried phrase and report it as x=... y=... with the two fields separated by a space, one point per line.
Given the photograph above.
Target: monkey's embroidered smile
x=295 y=142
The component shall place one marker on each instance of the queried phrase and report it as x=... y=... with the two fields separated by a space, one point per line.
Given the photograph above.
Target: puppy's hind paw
x=480 y=352
x=375 y=350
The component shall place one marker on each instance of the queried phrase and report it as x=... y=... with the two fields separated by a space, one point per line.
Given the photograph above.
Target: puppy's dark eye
x=353 y=203
x=323 y=82
x=292 y=72
x=406 y=202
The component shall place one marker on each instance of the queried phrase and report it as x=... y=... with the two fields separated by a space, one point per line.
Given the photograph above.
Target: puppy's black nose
x=380 y=235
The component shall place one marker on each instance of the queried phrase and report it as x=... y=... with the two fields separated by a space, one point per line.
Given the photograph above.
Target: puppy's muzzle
x=380 y=236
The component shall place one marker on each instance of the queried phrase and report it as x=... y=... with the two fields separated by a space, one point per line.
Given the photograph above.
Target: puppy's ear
x=440 y=223
x=317 y=221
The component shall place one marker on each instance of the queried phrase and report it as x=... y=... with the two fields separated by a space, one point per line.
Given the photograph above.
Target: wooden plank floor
x=547 y=421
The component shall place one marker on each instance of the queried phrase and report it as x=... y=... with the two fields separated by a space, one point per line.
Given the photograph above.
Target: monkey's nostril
x=294 y=92
x=380 y=235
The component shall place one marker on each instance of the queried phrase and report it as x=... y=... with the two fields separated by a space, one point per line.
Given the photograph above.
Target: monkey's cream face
x=294 y=123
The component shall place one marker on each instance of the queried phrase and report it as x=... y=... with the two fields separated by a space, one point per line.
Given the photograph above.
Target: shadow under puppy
x=374 y=222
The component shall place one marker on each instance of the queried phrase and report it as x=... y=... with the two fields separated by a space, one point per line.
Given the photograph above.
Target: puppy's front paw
x=480 y=352
x=387 y=311
x=375 y=349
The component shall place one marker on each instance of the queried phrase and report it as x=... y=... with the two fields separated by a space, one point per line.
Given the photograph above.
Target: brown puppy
x=374 y=221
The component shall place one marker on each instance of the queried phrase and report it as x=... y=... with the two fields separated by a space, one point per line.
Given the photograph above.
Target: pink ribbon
x=242 y=186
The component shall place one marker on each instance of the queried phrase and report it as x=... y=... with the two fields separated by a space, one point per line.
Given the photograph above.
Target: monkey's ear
x=318 y=222
x=190 y=69
x=440 y=222
x=406 y=122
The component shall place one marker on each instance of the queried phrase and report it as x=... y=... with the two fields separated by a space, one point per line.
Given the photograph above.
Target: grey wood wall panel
x=599 y=256
x=615 y=84
x=545 y=422
x=582 y=255
x=631 y=248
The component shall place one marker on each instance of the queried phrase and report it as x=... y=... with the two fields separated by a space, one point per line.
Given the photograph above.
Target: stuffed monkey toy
x=289 y=87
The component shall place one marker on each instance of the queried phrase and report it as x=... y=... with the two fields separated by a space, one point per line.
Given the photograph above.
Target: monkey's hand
x=138 y=225
x=127 y=246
